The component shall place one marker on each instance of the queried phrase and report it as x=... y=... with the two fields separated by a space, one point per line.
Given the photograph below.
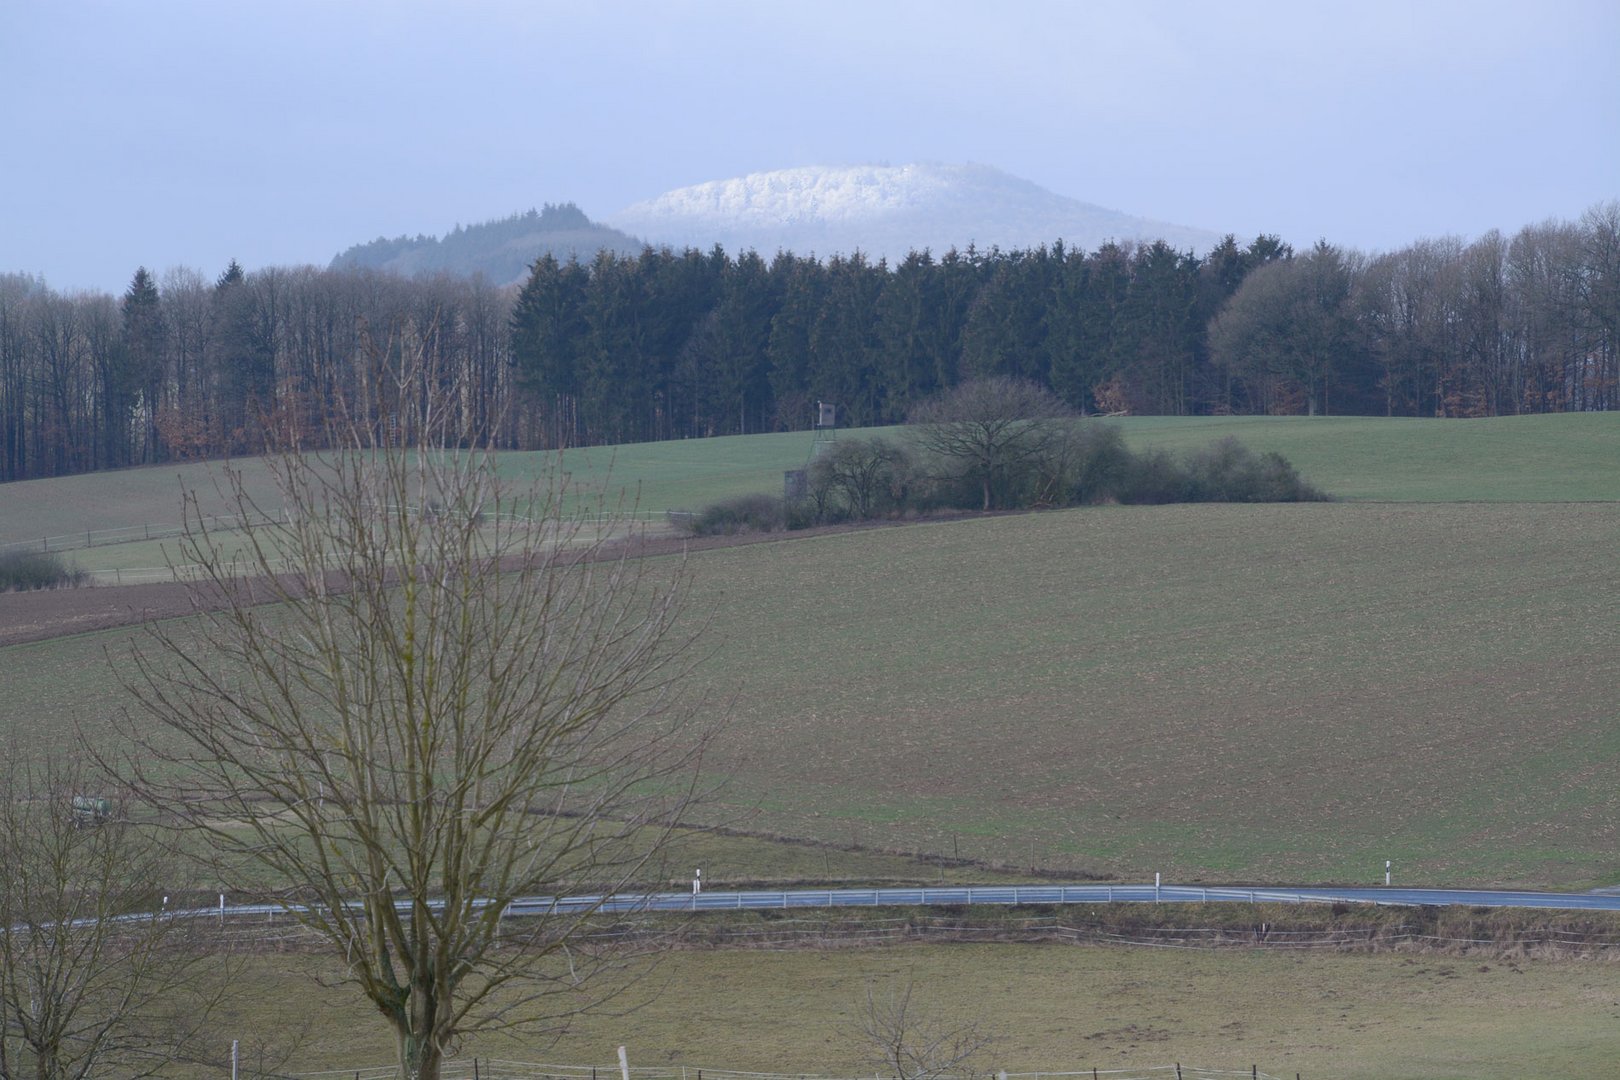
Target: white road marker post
x=624 y=1064
x=1155 y=886
x=1386 y=872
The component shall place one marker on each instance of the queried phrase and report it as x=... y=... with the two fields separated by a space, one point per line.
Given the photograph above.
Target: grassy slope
x=1057 y=1008
x=1571 y=457
x=1558 y=458
x=1270 y=692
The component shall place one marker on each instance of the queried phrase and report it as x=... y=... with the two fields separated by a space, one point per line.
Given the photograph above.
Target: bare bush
x=917 y=1045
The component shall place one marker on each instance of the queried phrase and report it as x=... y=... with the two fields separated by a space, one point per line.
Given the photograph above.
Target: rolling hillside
x=1554 y=457
x=1271 y=693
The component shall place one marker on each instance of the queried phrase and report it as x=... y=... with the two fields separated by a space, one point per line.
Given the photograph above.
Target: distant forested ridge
x=501 y=250
x=657 y=344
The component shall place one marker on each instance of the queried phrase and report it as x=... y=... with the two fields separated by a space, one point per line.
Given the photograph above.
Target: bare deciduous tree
x=419 y=696
x=991 y=430
x=869 y=473
x=91 y=983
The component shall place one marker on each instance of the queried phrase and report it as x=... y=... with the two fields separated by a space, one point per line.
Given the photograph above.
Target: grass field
x=1571 y=457
x=1568 y=457
x=1056 y=1008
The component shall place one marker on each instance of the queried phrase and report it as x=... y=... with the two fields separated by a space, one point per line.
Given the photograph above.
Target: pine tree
x=145 y=341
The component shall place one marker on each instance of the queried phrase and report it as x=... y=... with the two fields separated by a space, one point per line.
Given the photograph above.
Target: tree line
x=187 y=368
x=665 y=344
x=676 y=345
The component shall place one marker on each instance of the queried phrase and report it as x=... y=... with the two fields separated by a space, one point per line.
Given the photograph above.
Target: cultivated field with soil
x=1221 y=692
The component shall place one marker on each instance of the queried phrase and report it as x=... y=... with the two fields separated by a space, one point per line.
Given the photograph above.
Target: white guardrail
x=957 y=896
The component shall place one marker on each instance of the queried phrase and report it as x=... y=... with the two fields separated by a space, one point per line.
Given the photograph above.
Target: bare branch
x=915 y=1045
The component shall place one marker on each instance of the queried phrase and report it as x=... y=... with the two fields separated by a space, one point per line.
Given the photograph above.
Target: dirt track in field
x=51 y=613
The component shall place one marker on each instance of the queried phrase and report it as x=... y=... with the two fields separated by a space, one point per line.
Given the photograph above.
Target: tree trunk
x=419 y=1056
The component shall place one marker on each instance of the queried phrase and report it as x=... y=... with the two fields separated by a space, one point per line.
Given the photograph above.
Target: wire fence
x=126 y=534
x=264 y=929
x=498 y=1069
x=133 y=534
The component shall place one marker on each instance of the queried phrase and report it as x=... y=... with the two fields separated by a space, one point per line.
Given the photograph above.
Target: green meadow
x=1051 y=1007
x=1559 y=458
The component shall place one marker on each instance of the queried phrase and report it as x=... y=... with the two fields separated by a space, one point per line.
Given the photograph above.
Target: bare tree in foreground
x=426 y=694
x=90 y=983
x=915 y=1045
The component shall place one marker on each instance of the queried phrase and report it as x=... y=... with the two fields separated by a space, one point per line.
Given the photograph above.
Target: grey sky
x=165 y=133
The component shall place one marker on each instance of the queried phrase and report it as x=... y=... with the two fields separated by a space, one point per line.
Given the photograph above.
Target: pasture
x=1556 y=458
x=1385 y=1016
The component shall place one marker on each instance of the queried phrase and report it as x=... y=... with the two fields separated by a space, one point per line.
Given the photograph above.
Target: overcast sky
x=281 y=132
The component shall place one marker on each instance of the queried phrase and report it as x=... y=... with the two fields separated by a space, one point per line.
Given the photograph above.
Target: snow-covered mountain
x=885 y=210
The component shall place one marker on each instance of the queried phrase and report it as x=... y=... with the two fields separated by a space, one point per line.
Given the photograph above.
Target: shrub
x=1281 y=482
x=870 y=476
x=862 y=479
x=741 y=514
x=1101 y=466
x=1228 y=471
x=802 y=514
x=1154 y=477
x=24 y=570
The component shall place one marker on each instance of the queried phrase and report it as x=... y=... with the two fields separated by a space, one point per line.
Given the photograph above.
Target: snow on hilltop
x=885 y=210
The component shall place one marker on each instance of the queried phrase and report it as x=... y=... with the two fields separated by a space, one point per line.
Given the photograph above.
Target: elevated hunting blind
x=826 y=427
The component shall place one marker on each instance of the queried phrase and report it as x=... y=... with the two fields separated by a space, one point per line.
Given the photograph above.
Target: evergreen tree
x=907 y=309
x=799 y=284
x=734 y=380
x=145 y=344
x=1157 y=319
x=245 y=360
x=548 y=330
x=843 y=346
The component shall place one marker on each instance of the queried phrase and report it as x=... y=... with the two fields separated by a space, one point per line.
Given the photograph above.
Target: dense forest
x=664 y=344
x=671 y=345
